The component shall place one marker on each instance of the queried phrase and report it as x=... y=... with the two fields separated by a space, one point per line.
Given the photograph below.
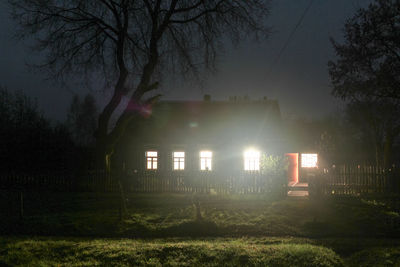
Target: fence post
x=21 y=205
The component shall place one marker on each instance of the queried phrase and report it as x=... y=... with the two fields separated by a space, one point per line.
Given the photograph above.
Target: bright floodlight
x=251 y=160
x=309 y=160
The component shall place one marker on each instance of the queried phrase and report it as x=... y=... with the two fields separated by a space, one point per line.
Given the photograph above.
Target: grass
x=125 y=252
x=70 y=229
x=376 y=257
x=265 y=251
x=173 y=215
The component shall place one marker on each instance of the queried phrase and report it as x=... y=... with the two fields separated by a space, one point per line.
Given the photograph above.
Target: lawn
x=173 y=215
x=161 y=229
x=57 y=251
x=216 y=252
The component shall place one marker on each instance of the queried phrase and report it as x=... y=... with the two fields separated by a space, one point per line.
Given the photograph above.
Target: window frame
x=251 y=160
x=206 y=159
x=152 y=160
x=179 y=160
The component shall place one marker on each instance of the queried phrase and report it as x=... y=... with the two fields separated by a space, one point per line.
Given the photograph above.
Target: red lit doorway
x=293 y=168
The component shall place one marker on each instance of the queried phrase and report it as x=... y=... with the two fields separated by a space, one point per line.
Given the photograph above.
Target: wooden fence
x=147 y=181
x=203 y=181
x=58 y=181
x=356 y=180
x=341 y=180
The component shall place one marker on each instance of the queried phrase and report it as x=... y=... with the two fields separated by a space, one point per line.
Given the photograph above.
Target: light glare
x=251 y=160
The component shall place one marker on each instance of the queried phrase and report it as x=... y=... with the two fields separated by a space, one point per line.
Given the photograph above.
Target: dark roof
x=208 y=122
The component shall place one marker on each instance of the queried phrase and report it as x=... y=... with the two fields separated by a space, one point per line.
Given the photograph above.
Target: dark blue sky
x=299 y=80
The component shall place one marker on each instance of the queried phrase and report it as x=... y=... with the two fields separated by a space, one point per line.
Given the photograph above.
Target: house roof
x=208 y=122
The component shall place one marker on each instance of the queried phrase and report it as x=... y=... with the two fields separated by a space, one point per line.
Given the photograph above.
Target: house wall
x=223 y=160
x=225 y=128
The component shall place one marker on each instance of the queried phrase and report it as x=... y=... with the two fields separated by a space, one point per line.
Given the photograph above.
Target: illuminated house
x=215 y=136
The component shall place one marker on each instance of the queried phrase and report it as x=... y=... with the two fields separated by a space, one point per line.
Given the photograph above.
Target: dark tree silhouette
x=134 y=42
x=367 y=74
x=82 y=120
x=28 y=141
x=377 y=124
x=368 y=63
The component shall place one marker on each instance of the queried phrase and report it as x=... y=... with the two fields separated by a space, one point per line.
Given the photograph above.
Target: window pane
x=205 y=160
x=309 y=160
x=151 y=157
x=246 y=165
x=252 y=160
x=178 y=159
x=179 y=154
x=205 y=154
x=151 y=153
x=257 y=165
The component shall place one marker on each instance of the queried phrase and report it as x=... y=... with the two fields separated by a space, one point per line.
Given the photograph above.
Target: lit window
x=151 y=160
x=205 y=160
x=251 y=160
x=309 y=160
x=179 y=160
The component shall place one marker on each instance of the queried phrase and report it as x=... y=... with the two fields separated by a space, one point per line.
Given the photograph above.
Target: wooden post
x=21 y=206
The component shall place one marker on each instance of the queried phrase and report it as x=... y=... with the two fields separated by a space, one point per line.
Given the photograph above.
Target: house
x=213 y=138
x=204 y=135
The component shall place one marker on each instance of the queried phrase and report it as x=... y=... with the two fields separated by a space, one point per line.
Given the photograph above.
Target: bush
x=274 y=168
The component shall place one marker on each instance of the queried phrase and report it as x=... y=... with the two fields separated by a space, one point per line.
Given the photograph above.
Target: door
x=293 y=168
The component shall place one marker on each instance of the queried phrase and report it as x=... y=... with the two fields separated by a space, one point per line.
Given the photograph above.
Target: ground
x=161 y=229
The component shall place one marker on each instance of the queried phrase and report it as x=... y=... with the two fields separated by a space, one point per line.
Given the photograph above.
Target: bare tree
x=133 y=42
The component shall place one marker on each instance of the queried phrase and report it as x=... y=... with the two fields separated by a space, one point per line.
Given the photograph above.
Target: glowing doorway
x=293 y=168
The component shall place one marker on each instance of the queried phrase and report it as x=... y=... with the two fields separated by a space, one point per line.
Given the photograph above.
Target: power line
x=289 y=39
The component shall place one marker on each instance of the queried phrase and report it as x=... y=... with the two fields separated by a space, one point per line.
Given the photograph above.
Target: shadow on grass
x=96 y=215
x=194 y=228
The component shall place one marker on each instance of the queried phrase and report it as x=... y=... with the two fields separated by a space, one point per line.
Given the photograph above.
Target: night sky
x=298 y=80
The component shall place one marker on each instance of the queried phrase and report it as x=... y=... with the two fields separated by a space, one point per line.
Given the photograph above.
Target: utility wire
x=289 y=39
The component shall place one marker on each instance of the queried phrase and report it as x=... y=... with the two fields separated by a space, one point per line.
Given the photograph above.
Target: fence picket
x=356 y=180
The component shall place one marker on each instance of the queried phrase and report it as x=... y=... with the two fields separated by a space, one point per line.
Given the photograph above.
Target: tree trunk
x=104 y=162
x=107 y=140
x=196 y=205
